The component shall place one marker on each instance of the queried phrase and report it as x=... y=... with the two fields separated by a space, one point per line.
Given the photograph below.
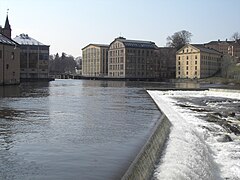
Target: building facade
x=9 y=61
x=165 y=62
x=197 y=61
x=231 y=48
x=131 y=59
x=95 y=60
x=34 y=58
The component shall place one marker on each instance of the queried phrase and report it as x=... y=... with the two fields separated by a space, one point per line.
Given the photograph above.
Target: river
x=72 y=129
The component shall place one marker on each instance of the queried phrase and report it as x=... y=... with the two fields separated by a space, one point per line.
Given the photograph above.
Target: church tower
x=7 y=31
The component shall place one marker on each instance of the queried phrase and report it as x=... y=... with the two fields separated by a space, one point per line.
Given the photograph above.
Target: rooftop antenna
x=7 y=10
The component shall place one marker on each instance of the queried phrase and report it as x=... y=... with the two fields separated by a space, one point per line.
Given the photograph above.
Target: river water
x=204 y=142
x=72 y=129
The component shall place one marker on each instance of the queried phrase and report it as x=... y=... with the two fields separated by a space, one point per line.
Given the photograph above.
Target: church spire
x=7 y=25
x=7 y=31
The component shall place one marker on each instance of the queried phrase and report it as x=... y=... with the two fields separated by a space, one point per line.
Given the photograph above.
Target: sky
x=70 y=25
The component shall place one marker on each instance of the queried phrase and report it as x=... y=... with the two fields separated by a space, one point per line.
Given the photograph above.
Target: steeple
x=7 y=25
x=7 y=31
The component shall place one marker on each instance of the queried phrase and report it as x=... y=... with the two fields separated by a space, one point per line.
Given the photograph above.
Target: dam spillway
x=143 y=165
x=204 y=139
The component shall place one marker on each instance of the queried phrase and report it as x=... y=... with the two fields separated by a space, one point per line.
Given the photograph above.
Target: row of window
x=91 y=56
x=209 y=57
x=91 y=50
x=187 y=63
x=116 y=60
x=35 y=47
x=187 y=68
x=187 y=57
x=187 y=73
x=187 y=50
x=202 y=57
x=140 y=52
x=116 y=67
x=210 y=63
x=147 y=69
x=130 y=51
x=116 y=52
x=116 y=74
x=88 y=60
x=34 y=56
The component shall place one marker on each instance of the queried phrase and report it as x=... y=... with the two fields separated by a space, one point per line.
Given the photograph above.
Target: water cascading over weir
x=143 y=166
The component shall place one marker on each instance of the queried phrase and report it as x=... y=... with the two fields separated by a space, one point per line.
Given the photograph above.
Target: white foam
x=193 y=152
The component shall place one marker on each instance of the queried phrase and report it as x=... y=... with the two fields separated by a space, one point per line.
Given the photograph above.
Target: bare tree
x=179 y=39
x=63 y=64
x=235 y=36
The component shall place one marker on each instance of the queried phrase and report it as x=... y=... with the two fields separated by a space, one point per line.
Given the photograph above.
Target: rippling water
x=72 y=129
x=204 y=142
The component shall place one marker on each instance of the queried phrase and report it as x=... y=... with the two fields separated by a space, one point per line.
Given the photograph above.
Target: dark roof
x=218 y=42
x=7 y=25
x=202 y=48
x=6 y=40
x=100 y=45
x=137 y=44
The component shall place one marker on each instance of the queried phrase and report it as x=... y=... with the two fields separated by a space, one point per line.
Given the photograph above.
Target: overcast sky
x=69 y=25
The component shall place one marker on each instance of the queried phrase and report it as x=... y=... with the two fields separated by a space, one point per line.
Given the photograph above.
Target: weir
x=143 y=165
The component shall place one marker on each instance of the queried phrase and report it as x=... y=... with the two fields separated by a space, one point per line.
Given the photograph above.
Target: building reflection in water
x=9 y=91
x=17 y=115
x=187 y=85
x=7 y=127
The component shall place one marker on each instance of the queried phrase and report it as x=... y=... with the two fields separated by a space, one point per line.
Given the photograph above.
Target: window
x=12 y=56
x=187 y=62
x=187 y=73
x=195 y=67
x=195 y=62
x=187 y=68
x=179 y=63
x=179 y=57
x=0 y=54
x=195 y=56
x=7 y=66
x=187 y=57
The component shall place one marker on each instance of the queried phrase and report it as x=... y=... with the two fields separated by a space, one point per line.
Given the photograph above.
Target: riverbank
x=220 y=80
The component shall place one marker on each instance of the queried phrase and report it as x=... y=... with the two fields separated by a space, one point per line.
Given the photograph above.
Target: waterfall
x=143 y=165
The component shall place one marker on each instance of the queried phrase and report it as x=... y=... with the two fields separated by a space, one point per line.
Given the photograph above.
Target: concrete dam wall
x=143 y=166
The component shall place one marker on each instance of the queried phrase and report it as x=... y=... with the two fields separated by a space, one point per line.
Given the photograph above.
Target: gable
x=116 y=44
x=188 y=49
